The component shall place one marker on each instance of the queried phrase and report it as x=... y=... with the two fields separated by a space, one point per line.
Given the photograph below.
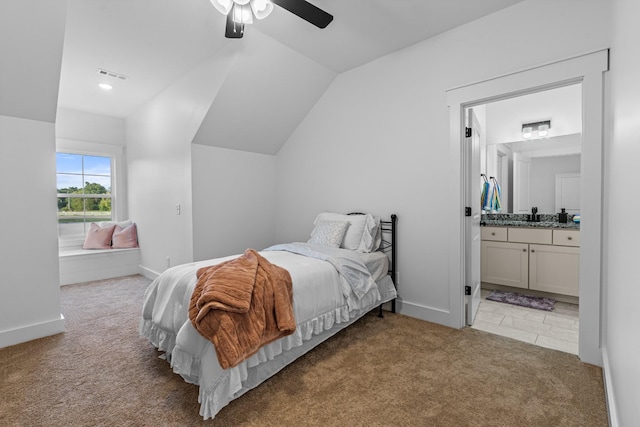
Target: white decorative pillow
x=353 y=235
x=121 y=224
x=361 y=234
x=328 y=233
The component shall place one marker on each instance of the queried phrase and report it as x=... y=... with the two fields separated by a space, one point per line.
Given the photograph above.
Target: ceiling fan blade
x=233 y=30
x=306 y=11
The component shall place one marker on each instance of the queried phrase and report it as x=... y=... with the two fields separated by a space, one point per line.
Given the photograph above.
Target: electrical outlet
x=178 y=209
x=168 y=262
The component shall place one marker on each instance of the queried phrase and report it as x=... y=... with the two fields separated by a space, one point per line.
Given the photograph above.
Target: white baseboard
x=148 y=273
x=430 y=314
x=608 y=390
x=31 y=332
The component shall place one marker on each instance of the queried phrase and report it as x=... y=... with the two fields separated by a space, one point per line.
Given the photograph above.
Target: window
x=84 y=184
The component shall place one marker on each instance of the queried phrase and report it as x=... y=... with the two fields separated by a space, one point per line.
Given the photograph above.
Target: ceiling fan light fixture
x=241 y=14
x=261 y=8
x=223 y=6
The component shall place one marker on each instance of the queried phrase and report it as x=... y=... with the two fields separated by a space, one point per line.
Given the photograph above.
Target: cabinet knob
x=569 y=238
x=493 y=233
x=524 y=250
x=533 y=250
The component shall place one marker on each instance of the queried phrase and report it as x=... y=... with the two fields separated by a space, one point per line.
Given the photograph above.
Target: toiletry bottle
x=562 y=216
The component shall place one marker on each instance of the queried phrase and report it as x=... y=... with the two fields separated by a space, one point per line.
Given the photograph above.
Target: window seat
x=79 y=265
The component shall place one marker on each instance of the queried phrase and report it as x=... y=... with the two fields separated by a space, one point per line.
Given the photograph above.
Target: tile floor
x=557 y=329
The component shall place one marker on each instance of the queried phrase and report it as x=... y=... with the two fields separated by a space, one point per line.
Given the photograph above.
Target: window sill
x=78 y=252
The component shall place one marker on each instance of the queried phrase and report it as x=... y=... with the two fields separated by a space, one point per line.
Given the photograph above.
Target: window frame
x=118 y=197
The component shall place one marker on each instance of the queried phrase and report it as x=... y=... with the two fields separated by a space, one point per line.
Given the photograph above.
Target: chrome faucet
x=534 y=217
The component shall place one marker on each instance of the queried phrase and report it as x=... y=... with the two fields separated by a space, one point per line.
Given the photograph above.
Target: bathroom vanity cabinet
x=542 y=259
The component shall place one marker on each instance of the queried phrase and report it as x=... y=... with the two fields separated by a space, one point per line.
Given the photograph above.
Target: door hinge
x=467 y=211
x=467 y=290
x=467 y=132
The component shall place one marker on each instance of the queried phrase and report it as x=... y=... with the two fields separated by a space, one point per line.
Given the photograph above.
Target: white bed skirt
x=194 y=358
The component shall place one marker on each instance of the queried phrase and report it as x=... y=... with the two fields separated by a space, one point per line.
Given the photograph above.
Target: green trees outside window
x=83 y=192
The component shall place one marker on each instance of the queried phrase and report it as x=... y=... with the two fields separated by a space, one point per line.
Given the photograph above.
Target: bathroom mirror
x=541 y=173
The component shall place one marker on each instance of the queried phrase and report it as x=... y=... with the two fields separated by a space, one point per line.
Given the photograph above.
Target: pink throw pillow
x=98 y=237
x=124 y=238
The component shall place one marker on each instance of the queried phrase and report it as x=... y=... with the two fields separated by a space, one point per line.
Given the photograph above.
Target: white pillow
x=329 y=233
x=121 y=224
x=361 y=234
x=372 y=234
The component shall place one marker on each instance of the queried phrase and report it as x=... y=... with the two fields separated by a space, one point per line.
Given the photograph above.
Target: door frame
x=587 y=69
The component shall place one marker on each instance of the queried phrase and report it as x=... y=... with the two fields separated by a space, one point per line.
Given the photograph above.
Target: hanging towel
x=497 y=197
x=487 y=202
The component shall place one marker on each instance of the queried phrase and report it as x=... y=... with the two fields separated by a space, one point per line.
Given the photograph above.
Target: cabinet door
x=554 y=269
x=505 y=263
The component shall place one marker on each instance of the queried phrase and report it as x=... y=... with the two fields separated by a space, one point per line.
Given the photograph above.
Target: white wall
x=88 y=127
x=29 y=288
x=378 y=140
x=562 y=106
x=31 y=39
x=233 y=201
x=622 y=293
x=159 y=138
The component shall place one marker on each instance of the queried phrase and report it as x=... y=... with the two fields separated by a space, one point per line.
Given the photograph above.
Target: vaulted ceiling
x=281 y=67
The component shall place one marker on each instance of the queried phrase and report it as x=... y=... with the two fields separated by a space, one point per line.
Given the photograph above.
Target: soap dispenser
x=562 y=216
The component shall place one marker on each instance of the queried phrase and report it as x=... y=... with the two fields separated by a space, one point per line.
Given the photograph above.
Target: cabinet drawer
x=494 y=233
x=530 y=235
x=566 y=237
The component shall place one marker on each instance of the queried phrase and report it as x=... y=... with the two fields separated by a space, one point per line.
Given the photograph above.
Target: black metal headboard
x=388 y=245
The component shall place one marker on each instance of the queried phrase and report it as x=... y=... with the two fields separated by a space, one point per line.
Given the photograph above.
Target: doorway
x=528 y=170
x=588 y=71
x=541 y=171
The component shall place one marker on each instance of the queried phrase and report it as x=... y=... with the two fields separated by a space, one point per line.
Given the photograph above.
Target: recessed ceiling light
x=105 y=86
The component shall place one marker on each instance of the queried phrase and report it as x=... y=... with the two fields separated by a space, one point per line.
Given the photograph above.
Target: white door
x=568 y=192
x=472 y=222
x=521 y=193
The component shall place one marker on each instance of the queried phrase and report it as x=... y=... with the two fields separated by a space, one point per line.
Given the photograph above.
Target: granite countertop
x=520 y=220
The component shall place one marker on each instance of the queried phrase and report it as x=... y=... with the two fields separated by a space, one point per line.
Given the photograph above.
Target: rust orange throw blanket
x=241 y=305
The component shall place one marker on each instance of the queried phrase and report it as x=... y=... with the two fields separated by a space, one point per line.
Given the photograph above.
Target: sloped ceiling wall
x=32 y=54
x=267 y=93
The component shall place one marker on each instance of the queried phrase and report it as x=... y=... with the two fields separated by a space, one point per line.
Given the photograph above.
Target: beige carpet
x=395 y=371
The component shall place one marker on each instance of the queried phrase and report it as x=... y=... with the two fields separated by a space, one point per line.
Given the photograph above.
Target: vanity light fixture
x=541 y=129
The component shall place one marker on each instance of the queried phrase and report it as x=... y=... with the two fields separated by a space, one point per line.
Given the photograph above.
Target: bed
x=340 y=274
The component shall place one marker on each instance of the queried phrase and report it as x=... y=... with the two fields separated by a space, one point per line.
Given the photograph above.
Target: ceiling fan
x=241 y=12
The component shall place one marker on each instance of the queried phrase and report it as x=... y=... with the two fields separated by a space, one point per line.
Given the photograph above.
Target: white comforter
x=323 y=299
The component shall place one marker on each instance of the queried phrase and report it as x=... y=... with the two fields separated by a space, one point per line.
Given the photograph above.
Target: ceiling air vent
x=104 y=72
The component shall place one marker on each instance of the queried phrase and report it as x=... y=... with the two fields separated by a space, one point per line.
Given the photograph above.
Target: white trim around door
x=587 y=69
